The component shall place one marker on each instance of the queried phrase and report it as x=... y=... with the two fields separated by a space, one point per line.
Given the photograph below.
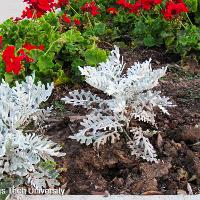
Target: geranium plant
x=48 y=46
x=131 y=97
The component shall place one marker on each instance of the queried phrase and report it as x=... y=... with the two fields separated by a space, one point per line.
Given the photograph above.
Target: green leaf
x=74 y=66
x=72 y=36
x=45 y=63
x=140 y=28
x=94 y=56
x=149 y=41
x=35 y=54
x=52 y=19
x=192 y=5
x=99 y=28
x=62 y=78
x=165 y=34
x=8 y=77
x=169 y=41
x=78 y=62
x=19 y=43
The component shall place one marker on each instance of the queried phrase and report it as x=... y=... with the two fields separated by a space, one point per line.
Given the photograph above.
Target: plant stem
x=127 y=135
x=74 y=10
x=143 y=16
x=182 y=24
x=51 y=46
x=90 y=24
x=33 y=15
x=189 y=19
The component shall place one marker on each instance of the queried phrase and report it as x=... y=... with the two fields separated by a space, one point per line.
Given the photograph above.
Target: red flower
x=178 y=1
x=44 y=5
x=1 y=41
x=124 y=3
x=138 y=5
x=62 y=3
x=37 y=8
x=173 y=10
x=135 y=8
x=148 y=4
x=77 y=22
x=25 y=56
x=121 y=2
x=91 y=8
x=29 y=47
x=157 y=2
x=31 y=13
x=113 y=11
x=66 y=19
x=12 y=62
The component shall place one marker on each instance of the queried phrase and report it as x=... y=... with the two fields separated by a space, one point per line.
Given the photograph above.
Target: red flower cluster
x=77 y=22
x=25 y=57
x=138 y=5
x=91 y=8
x=37 y=8
x=112 y=11
x=62 y=3
x=173 y=9
x=29 y=47
x=149 y=4
x=124 y=3
x=67 y=20
x=13 y=62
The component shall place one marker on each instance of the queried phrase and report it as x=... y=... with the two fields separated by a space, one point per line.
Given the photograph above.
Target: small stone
x=181 y=192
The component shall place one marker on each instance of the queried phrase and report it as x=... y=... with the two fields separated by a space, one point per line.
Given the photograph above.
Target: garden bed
x=112 y=169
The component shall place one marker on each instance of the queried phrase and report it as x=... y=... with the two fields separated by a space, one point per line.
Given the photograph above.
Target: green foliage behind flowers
x=172 y=24
x=64 y=49
x=146 y=23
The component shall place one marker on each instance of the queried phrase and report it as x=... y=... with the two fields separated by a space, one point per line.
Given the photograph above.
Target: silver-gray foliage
x=132 y=97
x=21 y=154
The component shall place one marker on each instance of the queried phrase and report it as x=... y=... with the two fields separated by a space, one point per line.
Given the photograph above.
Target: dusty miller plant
x=22 y=154
x=131 y=97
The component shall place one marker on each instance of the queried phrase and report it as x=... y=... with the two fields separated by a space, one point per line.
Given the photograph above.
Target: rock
x=181 y=192
x=189 y=133
x=195 y=164
x=118 y=181
x=152 y=193
x=159 y=141
x=149 y=173
x=155 y=170
x=170 y=150
x=144 y=186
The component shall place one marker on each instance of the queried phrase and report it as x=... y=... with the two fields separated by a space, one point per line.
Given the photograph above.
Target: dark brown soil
x=112 y=169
